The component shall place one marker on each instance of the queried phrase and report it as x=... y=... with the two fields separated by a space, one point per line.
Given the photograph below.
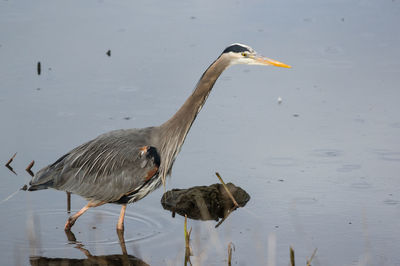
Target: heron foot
x=70 y=222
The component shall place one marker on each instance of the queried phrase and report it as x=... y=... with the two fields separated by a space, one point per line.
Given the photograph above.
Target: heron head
x=243 y=54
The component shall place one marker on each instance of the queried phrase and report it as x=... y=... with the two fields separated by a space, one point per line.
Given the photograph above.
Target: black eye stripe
x=236 y=49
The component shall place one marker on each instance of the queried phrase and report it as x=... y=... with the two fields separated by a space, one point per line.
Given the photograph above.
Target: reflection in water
x=9 y=162
x=115 y=259
x=204 y=202
x=68 y=202
x=11 y=169
x=188 y=249
x=388 y=155
x=327 y=153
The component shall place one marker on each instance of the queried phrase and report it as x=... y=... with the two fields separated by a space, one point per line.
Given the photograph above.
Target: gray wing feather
x=106 y=168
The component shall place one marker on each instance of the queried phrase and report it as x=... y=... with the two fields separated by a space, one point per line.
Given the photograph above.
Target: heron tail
x=41 y=186
x=42 y=180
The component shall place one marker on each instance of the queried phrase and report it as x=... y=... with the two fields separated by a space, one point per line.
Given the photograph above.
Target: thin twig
x=187 y=233
x=312 y=256
x=8 y=164
x=226 y=216
x=292 y=257
x=30 y=173
x=188 y=252
x=29 y=167
x=230 y=247
x=227 y=190
x=11 y=159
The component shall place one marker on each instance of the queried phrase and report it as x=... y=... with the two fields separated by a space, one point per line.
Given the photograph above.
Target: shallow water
x=322 y=168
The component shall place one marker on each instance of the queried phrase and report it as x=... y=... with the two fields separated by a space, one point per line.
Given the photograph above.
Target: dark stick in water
x=11 y=159
x=8 y=164
x=29 y=167
x=231 y=247
x=39 y=68
x=292 y=263
x=227 y=190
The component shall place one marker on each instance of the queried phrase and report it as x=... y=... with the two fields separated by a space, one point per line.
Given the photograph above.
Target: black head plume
x=238 y=48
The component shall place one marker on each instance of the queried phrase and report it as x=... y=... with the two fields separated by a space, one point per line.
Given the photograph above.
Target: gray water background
x=322 y=167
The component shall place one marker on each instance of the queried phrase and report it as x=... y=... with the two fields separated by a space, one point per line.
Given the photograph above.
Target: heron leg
x=120 y=224
x=72 y=219
x=122 y=242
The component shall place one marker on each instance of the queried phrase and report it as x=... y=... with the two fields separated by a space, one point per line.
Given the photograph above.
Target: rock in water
x=204 y=202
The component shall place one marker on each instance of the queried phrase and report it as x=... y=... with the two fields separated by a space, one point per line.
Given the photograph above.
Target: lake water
x=322 y=167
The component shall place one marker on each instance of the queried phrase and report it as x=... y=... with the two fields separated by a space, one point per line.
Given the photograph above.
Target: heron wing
x=106 y=168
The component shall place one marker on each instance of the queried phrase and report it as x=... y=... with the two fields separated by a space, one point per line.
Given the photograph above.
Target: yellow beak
x=268 y=61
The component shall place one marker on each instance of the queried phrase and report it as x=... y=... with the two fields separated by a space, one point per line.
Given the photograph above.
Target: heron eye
x=244 y=54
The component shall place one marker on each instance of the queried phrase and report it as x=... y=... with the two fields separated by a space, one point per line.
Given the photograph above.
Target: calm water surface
x=322 y=167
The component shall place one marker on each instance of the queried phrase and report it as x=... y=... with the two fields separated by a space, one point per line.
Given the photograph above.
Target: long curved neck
x=182 y=120
x=174 y=131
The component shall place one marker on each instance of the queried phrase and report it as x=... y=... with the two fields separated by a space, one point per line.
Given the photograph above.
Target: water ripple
x=387 y=155
x=361 y=185
x=281 y=161
x=45 y=228
x=348 y=168
x=391 y=202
